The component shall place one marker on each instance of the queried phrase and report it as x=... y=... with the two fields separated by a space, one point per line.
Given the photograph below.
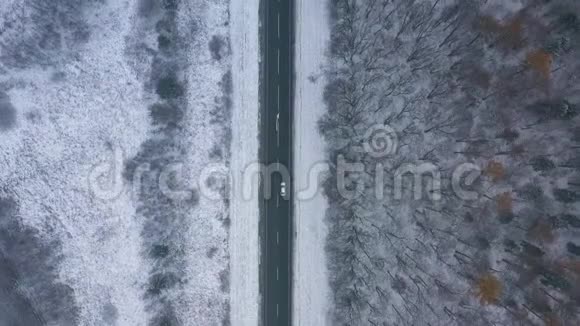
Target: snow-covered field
x=68 y=108
x=310 y=272
x=92 y=94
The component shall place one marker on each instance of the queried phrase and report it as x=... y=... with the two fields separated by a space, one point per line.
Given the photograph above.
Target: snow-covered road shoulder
x=310 y=277
x=244 y=247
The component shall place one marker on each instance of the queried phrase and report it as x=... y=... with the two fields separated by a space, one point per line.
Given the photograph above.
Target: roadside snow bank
x=244 y=247
x=310 y=274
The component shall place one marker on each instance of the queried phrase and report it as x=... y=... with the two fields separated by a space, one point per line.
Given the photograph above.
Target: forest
x=488 y=84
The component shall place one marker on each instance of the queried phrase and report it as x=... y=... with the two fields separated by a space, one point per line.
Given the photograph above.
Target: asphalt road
x=276 y=151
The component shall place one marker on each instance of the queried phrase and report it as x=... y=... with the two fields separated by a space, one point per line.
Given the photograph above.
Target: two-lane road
x=276 y=134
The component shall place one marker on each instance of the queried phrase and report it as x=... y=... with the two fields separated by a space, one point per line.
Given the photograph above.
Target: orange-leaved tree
x=542 y=231
x=512 y=33
x=552 y=320
x=505 y=203
x=488 y=289
x=495 y=171
x=541 y=62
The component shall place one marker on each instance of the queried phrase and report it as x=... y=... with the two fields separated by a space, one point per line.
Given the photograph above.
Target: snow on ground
x=205 y=297
x=310 y=279
x=244 y=246
x=77 y=96
x=62 y=129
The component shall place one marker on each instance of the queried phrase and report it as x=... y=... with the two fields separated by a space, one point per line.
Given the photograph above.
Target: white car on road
x=283 y=189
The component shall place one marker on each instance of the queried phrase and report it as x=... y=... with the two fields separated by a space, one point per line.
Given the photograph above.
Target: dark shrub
x=7 y=112
x=569 y=22
x=554 y=109
x=163 y=42
x=215 y=46
x=531 y=250
x=573 y=248
x=571 y=220
x=161 y=281
x=566 y=196
x=165 y=114
x=530 y=192
x=542 y=164
x=554 y=280
x=506 y=218
x=169 y=88
x=159 y=251
x=170 y=4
